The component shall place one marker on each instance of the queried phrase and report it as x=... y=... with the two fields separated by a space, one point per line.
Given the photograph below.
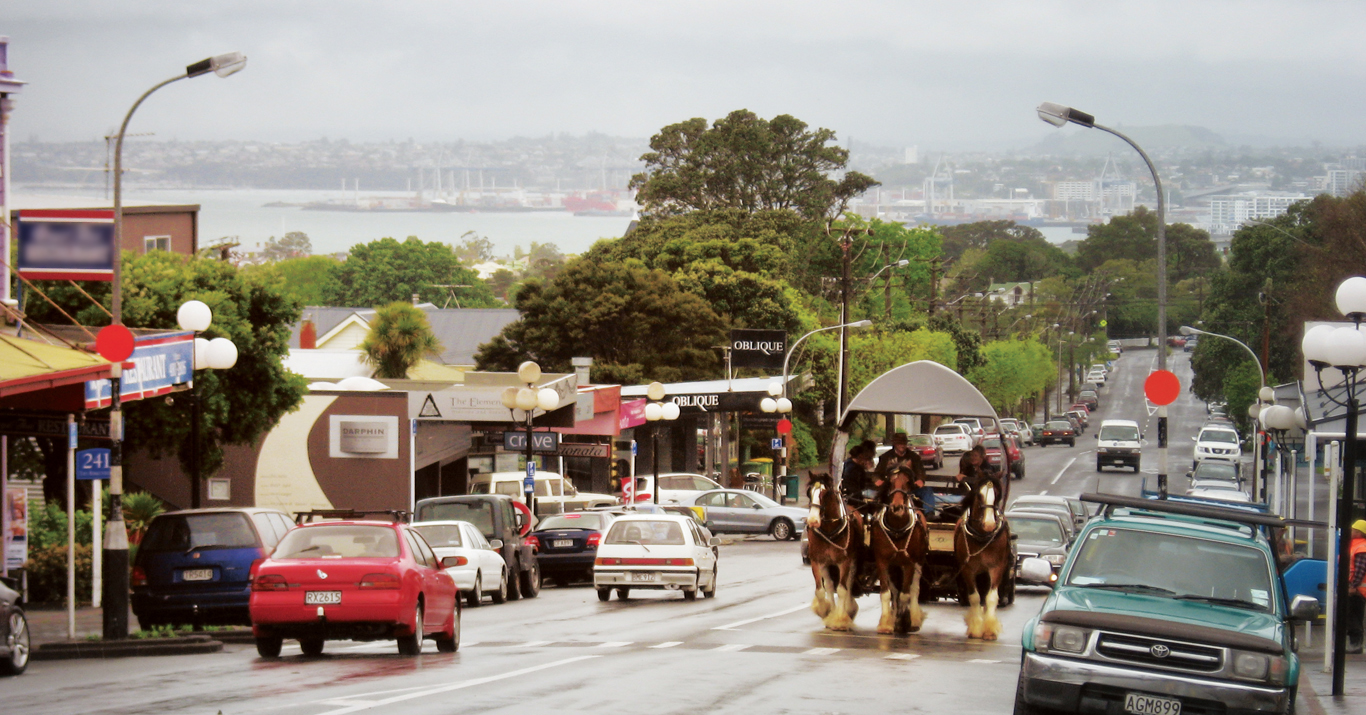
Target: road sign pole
x=97 y=545
x=1162 y=451
x=115 y=597
x=71 y=526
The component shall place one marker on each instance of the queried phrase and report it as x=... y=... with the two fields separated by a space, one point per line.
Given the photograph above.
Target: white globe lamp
x=1346 y=347
x=547 y=399
x=654 y=412
x=194 y=316
x=784 y=404
x=1315 y=342
x=1351 y=296
x=655 y=391
x=201 y=353
x=529 y=372
x=526 y=399
x=222 y=354
x=768 y=404
x=670 y=411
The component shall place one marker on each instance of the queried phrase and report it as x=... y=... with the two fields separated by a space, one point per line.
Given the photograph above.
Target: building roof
x=29 y=365
x=460 y=330
x=19 y=202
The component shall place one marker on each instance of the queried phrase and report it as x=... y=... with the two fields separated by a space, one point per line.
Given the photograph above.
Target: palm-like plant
x=399 y=337
x=138 y=510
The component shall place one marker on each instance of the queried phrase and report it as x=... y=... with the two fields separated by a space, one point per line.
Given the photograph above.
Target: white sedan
x=656 y=551
x=484 y=571
x=953 y=437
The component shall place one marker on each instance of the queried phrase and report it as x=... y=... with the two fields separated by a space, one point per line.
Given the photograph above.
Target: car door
x=748 y=517
x=490 y=563
x=439 y=592
x=719 y=514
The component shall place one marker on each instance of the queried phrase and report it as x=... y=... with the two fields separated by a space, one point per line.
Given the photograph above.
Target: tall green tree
x=1133 y=236
x=1012 y=371
x=310 y=280
x=386 y=270
x=294 y=244
x=746 y=162
x=399 y=337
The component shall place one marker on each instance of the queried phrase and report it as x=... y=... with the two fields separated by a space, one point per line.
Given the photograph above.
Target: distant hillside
x=1080 y=141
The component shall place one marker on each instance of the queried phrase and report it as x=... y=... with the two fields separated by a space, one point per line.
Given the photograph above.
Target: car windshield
x=224 y=530
x=949 y=429
x=1088 y=393
x=1177 y=566
x=339 y=541
x=646 y=532
x=991 y=444
x=1058 y=424
x=920 y=440
x=571 y=521
x=1119 y=433
x=479 y=513
x=438 y=535
x=1219 y=435
x=1216 y=470
x=1036 y=530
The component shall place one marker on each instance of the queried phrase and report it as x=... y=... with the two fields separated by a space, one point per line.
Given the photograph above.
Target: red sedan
x=931 y=454
x=356 y=580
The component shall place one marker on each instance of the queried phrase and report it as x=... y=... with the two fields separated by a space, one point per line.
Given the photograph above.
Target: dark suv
x=194 y=566
x=499 y=519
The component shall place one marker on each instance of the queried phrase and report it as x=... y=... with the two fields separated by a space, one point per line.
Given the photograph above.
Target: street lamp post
x=1343 y=349
x=655 y=411
x=1262 y=398
x=115 y=552
x=216 y=354
x=528 y=399
x=784 y=404
x=1059 y=116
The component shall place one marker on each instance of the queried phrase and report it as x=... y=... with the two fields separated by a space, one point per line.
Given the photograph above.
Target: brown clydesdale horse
x=982 y=545
x=901 y=543
x=834 y=543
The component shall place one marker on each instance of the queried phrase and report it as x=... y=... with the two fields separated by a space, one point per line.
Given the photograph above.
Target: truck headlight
x=1251 y=666
x=1055 y=559
x=1069 y=640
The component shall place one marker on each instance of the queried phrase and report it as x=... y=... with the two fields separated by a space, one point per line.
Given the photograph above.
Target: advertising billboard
x=75 y=245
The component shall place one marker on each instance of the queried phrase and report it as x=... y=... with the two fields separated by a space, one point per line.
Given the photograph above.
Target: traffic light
x=621 y=469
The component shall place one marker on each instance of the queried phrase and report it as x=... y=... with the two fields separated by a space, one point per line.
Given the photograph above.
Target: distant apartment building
x=1341 y=181
x=1228 y=213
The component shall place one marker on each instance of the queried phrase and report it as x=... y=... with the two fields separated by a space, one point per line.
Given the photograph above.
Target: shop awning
x=31 y=366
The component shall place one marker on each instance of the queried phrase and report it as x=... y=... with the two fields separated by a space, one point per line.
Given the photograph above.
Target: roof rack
x=1185 y=509
x=304 y=517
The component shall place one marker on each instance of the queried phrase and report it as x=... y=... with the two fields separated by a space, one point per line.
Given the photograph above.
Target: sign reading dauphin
x=364 y=436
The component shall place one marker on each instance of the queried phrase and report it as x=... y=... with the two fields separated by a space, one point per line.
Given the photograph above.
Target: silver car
x=739 y=511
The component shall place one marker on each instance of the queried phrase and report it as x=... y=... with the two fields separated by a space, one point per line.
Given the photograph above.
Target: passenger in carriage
x=857 y=481
x=972 y=468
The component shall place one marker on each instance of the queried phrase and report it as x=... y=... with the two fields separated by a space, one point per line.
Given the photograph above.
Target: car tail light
x=379 y=580
x=138 y=577
x=656 y=562
x=594 y=539
x=269 y=582
x=533 y=541
x=606 y=562
x=643 y=496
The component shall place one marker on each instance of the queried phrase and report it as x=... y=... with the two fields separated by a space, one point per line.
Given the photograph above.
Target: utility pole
x=846 y=248
x=934 y=283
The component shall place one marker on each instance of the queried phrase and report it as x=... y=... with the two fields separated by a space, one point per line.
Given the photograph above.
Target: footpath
x=50 y=641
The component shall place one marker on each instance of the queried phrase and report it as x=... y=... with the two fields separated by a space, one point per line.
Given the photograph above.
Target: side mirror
x=451 y=561
x=1304 y=608
x=713 y=541
x=495 y=544
x=1195 y=439
x=758 y=506
x=1097 y=435
x=1036 y=570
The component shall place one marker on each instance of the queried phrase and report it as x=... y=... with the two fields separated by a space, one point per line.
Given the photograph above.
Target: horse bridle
x=907 y=530
x=973 y=533
x=843 y=522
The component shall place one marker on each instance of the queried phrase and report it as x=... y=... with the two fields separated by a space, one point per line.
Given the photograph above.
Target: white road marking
x=534 y=644
x=1065 y=467
x=731 y=647
x=902 y=656
x=615 y=644
x=821 y=651
x=733 y=626
x=980 y=660
x=454 y=686
x=377 y=644
x=668 y=644
x=1043 y=493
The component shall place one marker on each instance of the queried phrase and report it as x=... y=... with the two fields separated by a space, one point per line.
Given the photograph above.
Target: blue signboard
x=160 y=362
x=92 y=464
x=73 y=245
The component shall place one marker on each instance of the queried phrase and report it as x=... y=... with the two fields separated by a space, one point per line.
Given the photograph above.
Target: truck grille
x=1160 y=653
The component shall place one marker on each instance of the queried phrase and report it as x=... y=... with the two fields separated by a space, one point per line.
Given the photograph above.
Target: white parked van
x=1119 y=444
x=554 y=493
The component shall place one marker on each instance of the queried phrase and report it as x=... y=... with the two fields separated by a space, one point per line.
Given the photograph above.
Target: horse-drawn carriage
x=918 y=557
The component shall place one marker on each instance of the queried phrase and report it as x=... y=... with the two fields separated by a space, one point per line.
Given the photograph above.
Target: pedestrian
x=1356 y=587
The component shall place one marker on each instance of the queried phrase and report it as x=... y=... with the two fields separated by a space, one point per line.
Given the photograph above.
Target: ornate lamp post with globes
x=528 y=399
x=655 y=411
x=1344 y=350
x=778 y=402
x=216 y=354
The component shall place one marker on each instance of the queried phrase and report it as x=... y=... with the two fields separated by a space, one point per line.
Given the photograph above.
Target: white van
x=1119 y=444
x=554 y=493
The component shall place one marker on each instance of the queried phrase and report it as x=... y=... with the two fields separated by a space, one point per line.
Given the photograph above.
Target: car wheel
x=501 y=595
x=781 y=530
x=449 y=642
x=604 y=594
x=412 y=644
x=311 y=646
x=515 y=584
x=1071 y=443
x=623 y=593
x=690 y=594
x=269 y=646
x=1099 y=466
x=711 y=592
x=475 y=597
x=1022 y=707
x=531 y=581
x=20 y=643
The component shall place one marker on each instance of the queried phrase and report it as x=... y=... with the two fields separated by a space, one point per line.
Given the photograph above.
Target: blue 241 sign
x=92 y=464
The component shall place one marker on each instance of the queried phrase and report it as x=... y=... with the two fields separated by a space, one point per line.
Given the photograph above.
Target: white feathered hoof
x=820 y=606
x=991 y=628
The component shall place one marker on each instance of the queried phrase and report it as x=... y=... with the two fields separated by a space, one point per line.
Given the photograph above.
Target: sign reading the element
x=540 y=441
x=758 y=348
x=66 y=245
x=92 y=464
x=363 y=436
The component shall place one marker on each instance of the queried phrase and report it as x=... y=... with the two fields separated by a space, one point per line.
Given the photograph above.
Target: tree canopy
x=386 y=270
x=746 y=162
x=309 y=280
x=399 y=337
x=294 y=244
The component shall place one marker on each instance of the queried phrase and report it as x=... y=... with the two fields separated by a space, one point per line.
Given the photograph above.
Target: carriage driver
x=900 y=455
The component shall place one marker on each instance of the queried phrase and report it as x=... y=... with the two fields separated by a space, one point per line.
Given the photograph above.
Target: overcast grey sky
x=937 y=74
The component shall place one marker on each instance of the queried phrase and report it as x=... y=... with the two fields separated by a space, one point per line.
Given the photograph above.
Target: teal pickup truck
x=1166 y=608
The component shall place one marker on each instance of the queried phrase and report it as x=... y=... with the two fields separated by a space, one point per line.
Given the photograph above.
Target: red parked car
x=356 y=580
x=931 y=454
x=1012 y=443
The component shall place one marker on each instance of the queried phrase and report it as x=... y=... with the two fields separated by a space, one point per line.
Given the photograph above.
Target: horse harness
x=843 y=528
x=905 y=531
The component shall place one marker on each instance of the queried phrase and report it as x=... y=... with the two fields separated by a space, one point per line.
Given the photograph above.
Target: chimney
x=581 y=367
x=308 y=336
x=414 y=299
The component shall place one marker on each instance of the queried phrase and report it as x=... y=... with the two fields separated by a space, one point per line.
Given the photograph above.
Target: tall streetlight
x=1343 y=349
x=216 y=354
x=1264 y=395
x=115 y=556
x=527 y=399
x=1059 y=116
x=656 y=410
x=783 y=403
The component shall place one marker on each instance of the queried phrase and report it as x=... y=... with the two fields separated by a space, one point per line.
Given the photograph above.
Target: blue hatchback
x=194 y=566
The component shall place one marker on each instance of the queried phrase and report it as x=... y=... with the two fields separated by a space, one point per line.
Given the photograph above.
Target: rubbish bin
x=792 y=486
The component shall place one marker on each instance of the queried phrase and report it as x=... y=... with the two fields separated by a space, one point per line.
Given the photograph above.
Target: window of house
x=156 y=243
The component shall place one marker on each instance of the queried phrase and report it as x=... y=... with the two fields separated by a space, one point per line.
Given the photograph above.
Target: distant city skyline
x=893 y=73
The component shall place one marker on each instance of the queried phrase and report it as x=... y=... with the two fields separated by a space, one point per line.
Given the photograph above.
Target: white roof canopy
x=922 y=387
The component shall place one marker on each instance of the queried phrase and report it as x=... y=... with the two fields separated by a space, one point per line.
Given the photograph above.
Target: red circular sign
x=1162 y=387
x=114 y=343
x=784 y=426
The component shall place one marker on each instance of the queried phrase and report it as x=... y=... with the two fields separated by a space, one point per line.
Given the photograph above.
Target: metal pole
x=654 y=458
x=1349 y=463
x=841 y=396
x=530 y=457
x=196 y=416
x=71 y=526
x=1330 y=613
x=115 y=600
x=96 y=547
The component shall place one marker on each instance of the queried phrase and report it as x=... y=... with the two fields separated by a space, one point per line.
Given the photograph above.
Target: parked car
x=1218 y=444
x=554 y=494
x=1072 y=505
x=567 y=544
x=954 y=438
x=1036 y=429
x=358 y=580
x=1221 y=492
x=1191 y=342
x=976 y=428
x=674 y=487
x=1019 y=429
x=1038 y=535
x=194 y=566
x=1059 y=432
x=1080 y=417
x=504 y=523
x=1089 y=399
x=1209 y=474
x=1115 y=347
x=931 y=453
x=739 y=511
x=484 y=571
x=16 y=642
x=656 y=551
x=994 y=448
x=1119 y=443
